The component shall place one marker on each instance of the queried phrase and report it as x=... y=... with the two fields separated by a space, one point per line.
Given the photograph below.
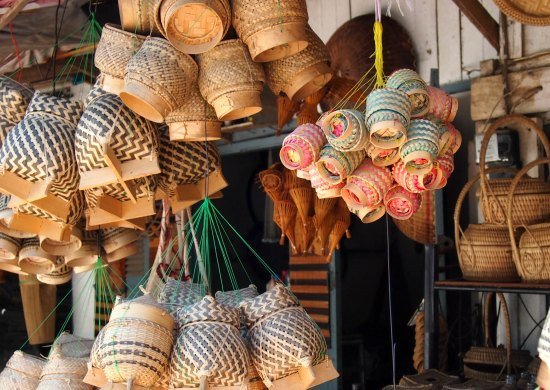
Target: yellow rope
x=378 y=55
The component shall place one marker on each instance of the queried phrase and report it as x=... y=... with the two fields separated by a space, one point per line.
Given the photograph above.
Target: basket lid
x=235 y=297
x=143 y=308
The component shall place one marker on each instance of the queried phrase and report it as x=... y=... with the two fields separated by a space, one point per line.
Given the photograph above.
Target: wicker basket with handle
x=532 y=196
x=272 y=30
x=532 y=255
x=22 y=372
x=494 y=363
x=484 y=250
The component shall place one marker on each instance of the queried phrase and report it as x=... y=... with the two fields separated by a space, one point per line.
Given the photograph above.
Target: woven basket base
x=309 y=81
x=195 y=131
x=86 y=255
x=32 y=267
x=144 y=102
x=237 y=105
x=112 y=84
x=276 y=42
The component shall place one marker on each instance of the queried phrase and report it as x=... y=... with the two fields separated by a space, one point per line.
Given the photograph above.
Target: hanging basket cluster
x=382 y=159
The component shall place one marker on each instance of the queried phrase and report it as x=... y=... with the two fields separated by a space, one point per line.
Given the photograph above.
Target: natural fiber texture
x=334 y=166
x=158 y=78
x=230 y=81
x=536 y=13
x=41 y=146
x=387 y=116
x=69 y=345
x=475 y=384
x=414 y=86
x=383 y=157
x=64 y=373
x=301 y=74
x=322 y=207
x=177 y=293
x=283 y=338
x=301 y=148
x=63 y=248
x=137 y=16
x=367 y=185
x=323 y=187
x=443 y=106
x=303 y=199
x=345 y=130
x=400 y=203
x=420 y=227
x=33 y=260
x=271 y=180
x=432 y=377
x=22 y=372
x=209 y=347
x=144 y=187
x=443 y=338
x=449 y=138
x=271 y=30
x=77 y=204
x=14 y=99
x=9 y=247
x=60 y=275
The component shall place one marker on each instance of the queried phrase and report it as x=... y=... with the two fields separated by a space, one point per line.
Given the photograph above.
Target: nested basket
x=113 y=52
x=22 y=372
x=271 y=30
x=324 y=188
x=345 y=130
x=383 y=157
x=302 y=74
x=64 y=373
x=400 y=203
x=9 y=247
x=230 y=81
x=367 y=185
x=286 y=346
x=136 y=16
x=157 y=79
x=484 y=250
x=39 y=152
x=450 y=138
x=60 y=275
x=194 y=120
x=532 y=196
x=443 y=106
x=420 y=150
x=135 y=345
x=488 y=362
x=14 y=99
x=301 y=148
x=334 y=166
x=414 y=86
x=87 y=254
x=209 y=351
x=194 y=26
x=6 y=213
x=33 y=259
x=532 y=254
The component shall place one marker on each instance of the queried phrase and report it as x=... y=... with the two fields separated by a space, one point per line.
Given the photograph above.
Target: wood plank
x=12 y=184
x=481 y=19
x=127 y=210
x=314 y=304
x=487 y=94
x=216 y=183
x=320 y=318
x=52 y=204
x=308 y=259
x=138 y=224
x=321 y=275
x=492 y=67
x=44 y=227
x=309 y=289
x=325 y=16
x=130 y=170
x=115 y=164
x=449 y=34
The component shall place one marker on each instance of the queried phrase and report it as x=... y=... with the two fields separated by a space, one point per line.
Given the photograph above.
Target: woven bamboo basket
x=432 y=378
x=367 y=185
x=421 y=226
x=30 y=162
x=194 y=26
x=134 y=347
x=484 y=250
x=176 y=294
x=64 y=373
x=414 y=86
x=334 y=166
x=62 y=248
x=71 y=346
x=22 y=372
x=88 y=252
x=9 y=247
x=323 y=188
x=60 y=275
x=209 y=351
x=301 y=74
x=345 y=130
x=400 y=203
x=230 y=81
x=303 y=199
x=421 y=149
x=11 y=266
x=14 y=99
x=383 y=157
x=443 y=106
x=322 y=207
x=5 y=214
x=286 y=346
x=490 y=363
x=33 y=259
x=117 y=238
x=271 y=180
x=271 y=30
x=535 y=13
x=195 y=120
x=114 y=50
x=534 y=245
x=532 y=196
x=301 y=148
x=137 y=16
x=157 y=79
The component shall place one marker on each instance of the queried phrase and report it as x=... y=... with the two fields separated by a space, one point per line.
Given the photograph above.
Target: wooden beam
x=484 y=22
x=12 y=13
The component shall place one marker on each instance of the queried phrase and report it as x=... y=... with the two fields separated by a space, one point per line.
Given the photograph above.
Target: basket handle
x=508 y=332
x=515 y=182
x=462 y=195
x=508 y=119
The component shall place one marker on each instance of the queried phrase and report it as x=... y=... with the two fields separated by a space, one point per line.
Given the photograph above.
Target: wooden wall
x=443 y=37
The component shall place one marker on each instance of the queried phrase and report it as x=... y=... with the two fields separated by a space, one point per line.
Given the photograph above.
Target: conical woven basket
x=60 y=275
x=210 y=350
x=157 y=79
x=271 y=30
x=34 y=260
x=303 y=73
x=195 y=26
x=195 y=120
x=113 y=52
x=14 y=99
x=64 y=373
x=137 y=16
x=303 y=199
x=22 y=372
x=230 y=81
x=285 y=343
x=9 y=247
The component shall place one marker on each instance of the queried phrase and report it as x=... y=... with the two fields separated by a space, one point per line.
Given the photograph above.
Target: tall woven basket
x=303 y=73
x=286 y=346
x=14 y=99
x=22 y=372
x=137 y=16
x=194 y=26
x=209 y=350
x=532 y=196
x=230 y=81
x=272 y=30
x=484 y=250
x=157 y=79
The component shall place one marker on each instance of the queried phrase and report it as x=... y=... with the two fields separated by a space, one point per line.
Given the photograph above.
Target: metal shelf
x=517 y=288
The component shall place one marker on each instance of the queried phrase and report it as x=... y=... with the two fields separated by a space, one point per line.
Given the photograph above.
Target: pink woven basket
x=301 y=148
x=367 y=185
x=400 y=203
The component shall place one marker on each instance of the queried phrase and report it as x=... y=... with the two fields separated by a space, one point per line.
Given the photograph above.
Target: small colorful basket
x=367 y=185
x=449 y=138
x=369 y=214
x=422 y=146
x=383 y=157
x=414 y=86
x=345 y=130
x=302 y=147
x=323 y=188
x=411 y=182
x=334 y=166
x=400 y=203
x=443 y=106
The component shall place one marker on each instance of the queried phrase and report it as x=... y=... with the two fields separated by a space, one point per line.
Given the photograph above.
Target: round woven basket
x=135 y=345
x=421 y=226
x=11 y=266
x=345 y=130
x=64 y=373
x=443 y=107
x=209 y=350
x=532 y=196
x=301 y=148
x=410 y=82
x=33 y=260
x=22 y=372
x=367 y=185
x=88 y=252
x=324 y=188
x=62 y=248
x=9 y=247
x=113 y=52
x=230 y=81
x=14 y=99
x=195 y=120
x=422 y=147
x=157 y=79
x=137 y=16
x=400 y=203
x=383 y=157
x=484 y=250
x=303 y=73
x=334 y=166
x=195 y=26
x=536 y=13
x=60 y=275
x=271 y=30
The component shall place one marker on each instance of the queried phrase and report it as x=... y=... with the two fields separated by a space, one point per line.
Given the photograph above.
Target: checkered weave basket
x=22 y=372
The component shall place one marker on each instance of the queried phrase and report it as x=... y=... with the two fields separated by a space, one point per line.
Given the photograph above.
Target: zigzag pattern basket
x=22 y=372
x=209 y=350
x=14 y=99
x=145 y=187
x=176 y=294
